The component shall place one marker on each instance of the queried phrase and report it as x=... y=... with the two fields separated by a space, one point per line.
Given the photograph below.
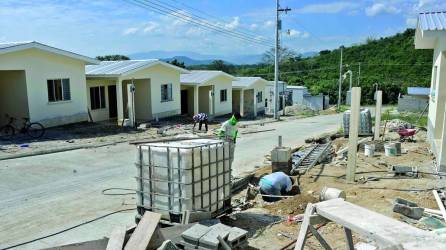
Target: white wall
x=437 y=104
x=158 y=75
x=220 y=83
x=40 y=66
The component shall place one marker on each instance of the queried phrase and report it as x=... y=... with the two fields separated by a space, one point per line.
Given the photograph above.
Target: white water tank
x=184 y=175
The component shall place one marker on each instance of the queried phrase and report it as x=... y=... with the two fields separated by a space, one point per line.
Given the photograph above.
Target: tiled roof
x=243 y=82
x=201 y=76
x=116 y=68
x=432 y=20
x=18 y=46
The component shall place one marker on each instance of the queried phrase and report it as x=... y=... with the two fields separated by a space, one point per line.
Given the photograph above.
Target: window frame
x=224 y=93
x=169 y=89
x=63 y=92
x=101 y=102
x=259 y=96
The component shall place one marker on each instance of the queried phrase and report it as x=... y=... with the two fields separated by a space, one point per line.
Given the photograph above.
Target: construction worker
x=277 y=183
x=229 y=132
x=201 y=118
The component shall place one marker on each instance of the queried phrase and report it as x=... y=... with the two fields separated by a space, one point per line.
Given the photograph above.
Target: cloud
x=411 y=22
x=233 y=24
x=268 y=24
x=150 y=27
x=130 y=31
x=380 y=8
x=331 y=8
x=253 y=26
x=298 y=34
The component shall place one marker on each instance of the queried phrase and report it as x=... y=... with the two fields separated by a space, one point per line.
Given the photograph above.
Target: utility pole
x=276 y=58
x=340 y=80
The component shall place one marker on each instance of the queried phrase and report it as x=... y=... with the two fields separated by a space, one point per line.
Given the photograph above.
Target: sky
x=98 y=27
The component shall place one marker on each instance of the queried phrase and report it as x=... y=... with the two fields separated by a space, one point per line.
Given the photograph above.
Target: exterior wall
x=297 y=95
x=204 y=100
x=260 y=86
x=13 y=96
x=40 y=66
x=411 y=103
x=437 y=103
x=314 y=102
x=159 y=75
x=248 y=103
x=220 y=83
x=99 y=114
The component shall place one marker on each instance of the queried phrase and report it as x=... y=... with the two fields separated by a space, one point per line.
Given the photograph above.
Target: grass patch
x=342 y=108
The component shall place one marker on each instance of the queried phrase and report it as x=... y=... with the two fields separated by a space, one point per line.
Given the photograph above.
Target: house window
x=58 y=90
x=166 y=92
x=97 y=97
x=434 y=83
x=259 y=97
x=223 y=95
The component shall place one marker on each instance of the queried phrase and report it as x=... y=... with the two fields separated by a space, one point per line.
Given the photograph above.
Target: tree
x=112 y=58
x=177 y=63
x=285 y=54
x=221 y=65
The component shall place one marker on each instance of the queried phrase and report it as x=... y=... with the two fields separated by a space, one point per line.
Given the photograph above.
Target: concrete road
x=44 y=194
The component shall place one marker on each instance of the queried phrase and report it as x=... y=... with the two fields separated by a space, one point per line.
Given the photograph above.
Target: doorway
x=184 y=102
x=112 y=102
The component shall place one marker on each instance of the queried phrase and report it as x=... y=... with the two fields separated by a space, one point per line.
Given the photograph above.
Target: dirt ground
x=275 y=232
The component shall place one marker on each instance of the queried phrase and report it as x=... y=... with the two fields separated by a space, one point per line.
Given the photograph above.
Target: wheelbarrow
x=407 y=133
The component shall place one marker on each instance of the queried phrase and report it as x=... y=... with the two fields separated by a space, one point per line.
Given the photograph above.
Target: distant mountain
x=309 y=54
x=192 y=58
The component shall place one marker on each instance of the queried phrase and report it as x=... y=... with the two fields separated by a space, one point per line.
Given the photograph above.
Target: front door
x=112 y=102
x=184 y=102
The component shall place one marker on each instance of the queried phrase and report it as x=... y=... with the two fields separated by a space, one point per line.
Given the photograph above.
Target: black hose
x=67 y=229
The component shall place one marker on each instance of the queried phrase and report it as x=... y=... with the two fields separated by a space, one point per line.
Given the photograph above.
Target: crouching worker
x=200 y=119
x=277 y=183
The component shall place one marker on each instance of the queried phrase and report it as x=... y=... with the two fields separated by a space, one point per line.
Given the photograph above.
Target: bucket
x=369 y=150
x=331 y=193
x=390 y=149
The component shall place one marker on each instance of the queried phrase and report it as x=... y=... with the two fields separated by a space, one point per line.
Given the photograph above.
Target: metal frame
x=181 y=185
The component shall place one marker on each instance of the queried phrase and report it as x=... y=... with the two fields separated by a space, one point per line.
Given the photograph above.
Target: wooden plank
x=349 y=239
x=117 y=237
x=304 y=227
x=140 y=239
x=379 y=98
x=346 y=148
x=440 y=204
x=353 y=134
x=384 y=230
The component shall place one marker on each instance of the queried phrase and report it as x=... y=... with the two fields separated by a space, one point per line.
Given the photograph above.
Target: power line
x=245 y=31
x=162 y=10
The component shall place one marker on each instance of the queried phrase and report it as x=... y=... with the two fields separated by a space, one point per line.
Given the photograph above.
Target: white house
x=431 y=34
x=156 y=93
x=269 y=95
x=296 y=94
x=208 y=91
x=248 y=96
x=42 y=83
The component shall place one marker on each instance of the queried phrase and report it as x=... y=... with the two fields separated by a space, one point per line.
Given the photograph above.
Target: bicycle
x=32 y=129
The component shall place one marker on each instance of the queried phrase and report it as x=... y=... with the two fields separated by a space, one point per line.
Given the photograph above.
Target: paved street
x=43 y=194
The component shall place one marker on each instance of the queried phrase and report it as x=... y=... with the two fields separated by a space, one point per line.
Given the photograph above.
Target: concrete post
x=119 y=101
x=255 y=102
x=242 y=103
x=379 y=97
x=353 y=134
x=441 y=162
x=196 y=100
x=131 y=103
x=280 y=141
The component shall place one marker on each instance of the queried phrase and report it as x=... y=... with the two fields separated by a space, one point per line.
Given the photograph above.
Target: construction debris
x=408 y=208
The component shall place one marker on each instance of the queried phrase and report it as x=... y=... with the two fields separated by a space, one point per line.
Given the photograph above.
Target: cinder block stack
x=206 y=238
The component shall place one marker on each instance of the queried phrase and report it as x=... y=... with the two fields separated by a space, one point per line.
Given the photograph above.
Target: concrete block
x=281 y=154
x=236 y=235
x=210 y=239
x=194 y=233
x=408 y=208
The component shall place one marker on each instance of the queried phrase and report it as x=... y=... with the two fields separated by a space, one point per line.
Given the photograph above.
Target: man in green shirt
x=229 y=132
